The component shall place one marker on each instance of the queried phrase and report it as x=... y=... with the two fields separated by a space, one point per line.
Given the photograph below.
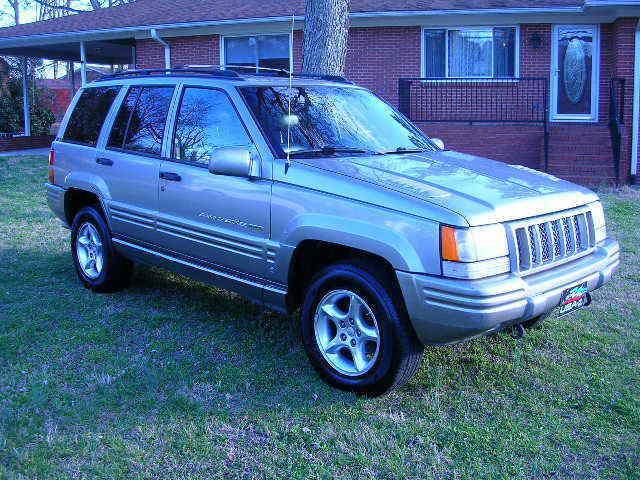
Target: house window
x=266 y=51
x=489 y=52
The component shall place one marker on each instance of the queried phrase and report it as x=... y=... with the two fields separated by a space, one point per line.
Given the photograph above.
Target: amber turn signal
x=52 y=162
x=449 y=244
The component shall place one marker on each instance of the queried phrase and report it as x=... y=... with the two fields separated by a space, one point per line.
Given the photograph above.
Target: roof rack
x=252 y=70
x=279 y=72
x=224 y=71
x=328 y=78
x=149 y=72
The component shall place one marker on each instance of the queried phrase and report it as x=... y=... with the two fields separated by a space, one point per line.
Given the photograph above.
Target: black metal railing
x=475 y=100
x=523 y=100
x=616 y=119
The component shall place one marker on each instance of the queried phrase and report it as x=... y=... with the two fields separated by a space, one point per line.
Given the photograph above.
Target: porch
x=510 y=120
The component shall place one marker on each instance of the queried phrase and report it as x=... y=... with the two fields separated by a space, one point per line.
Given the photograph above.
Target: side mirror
x=234 y=162
x=438 y=143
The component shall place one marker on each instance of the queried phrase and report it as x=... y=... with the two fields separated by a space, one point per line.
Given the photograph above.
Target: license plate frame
x=573 y=298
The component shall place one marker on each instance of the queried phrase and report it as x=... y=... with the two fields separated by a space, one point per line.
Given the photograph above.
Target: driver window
x=206 y=120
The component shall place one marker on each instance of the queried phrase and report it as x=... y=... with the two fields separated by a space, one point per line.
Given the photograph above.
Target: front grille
x=542 y=244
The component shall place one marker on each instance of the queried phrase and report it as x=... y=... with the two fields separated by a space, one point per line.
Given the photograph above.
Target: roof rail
x=282 y=72
x=210 y=71
x=328 y=78
x=224 y=71
x=253 y=70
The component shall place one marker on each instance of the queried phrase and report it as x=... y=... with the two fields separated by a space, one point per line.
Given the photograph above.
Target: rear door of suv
x=129 y=159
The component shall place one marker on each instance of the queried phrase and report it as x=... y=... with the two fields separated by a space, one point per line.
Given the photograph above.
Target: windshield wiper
x=404 y=150
x=330 y=150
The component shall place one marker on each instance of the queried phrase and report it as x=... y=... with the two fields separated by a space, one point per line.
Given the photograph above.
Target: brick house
x=550 y=84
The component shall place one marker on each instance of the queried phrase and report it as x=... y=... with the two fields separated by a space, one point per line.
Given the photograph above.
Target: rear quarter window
x=89 y=115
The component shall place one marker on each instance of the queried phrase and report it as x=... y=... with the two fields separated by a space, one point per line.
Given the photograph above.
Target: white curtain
x=470 y=53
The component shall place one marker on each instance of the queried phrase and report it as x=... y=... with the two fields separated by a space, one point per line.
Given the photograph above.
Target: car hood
x=482 y=191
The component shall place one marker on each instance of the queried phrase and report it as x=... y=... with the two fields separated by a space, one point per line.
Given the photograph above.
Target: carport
x=65 y=47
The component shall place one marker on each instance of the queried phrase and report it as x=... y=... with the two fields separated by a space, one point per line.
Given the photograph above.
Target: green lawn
x=179 y=380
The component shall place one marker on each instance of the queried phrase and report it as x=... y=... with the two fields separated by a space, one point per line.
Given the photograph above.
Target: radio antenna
x=288 y=162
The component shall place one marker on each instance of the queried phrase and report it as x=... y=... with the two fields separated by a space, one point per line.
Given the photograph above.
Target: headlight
x=599 y=222
x=474 y=252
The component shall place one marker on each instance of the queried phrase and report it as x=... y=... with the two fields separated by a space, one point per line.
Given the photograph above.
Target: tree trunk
x=15 y=5
x=326 y=27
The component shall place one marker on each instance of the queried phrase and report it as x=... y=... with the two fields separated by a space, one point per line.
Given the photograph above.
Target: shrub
x=11 y=113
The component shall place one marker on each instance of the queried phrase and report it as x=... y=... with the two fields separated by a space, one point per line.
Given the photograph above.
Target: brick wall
x=623 y=59
x=199 y=50
x=378 y=56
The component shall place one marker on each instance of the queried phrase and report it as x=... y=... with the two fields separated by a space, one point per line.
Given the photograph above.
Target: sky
x=28 y=11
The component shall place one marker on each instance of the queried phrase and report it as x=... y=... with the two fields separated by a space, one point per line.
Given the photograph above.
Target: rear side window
x=207 y=120
x=139 y=126
x=89 y=114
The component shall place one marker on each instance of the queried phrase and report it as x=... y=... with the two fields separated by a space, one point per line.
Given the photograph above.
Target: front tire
x=356 y=332
x=99 y=267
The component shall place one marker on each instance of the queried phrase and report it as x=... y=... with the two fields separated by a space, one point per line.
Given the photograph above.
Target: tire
x=384 y=364
x=91 y=242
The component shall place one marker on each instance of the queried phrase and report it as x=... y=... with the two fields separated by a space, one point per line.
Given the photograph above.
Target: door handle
x=172 y=177
x=104 y=161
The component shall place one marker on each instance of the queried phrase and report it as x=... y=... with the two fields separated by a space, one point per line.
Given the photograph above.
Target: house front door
x=574 y=73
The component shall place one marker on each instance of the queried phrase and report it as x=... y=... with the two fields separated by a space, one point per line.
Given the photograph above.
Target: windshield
x=331 y=121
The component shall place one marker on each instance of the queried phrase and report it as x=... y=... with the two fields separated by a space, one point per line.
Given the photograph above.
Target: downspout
x=167 y=48
x=636 y=110
x=83 y=64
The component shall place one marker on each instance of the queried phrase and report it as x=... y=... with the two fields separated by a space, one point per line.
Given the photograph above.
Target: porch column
x=26 y=101
x=83 y=64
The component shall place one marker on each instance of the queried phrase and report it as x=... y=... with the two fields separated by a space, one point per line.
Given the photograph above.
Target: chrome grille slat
x=543 y=243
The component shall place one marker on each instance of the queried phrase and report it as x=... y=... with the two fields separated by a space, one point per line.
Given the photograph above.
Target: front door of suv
x=218 y=222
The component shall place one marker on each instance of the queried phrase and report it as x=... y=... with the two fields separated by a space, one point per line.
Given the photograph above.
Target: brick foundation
x=8 y=144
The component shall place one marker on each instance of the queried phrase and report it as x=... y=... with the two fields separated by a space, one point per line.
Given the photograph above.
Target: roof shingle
x=164 y=12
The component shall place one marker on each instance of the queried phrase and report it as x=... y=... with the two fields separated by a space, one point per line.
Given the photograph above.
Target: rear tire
x=100 y=268
x=365 y=343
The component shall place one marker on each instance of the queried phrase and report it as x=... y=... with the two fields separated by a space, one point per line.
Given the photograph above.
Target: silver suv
x=319 y=196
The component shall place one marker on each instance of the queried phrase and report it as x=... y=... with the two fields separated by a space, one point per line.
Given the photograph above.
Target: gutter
x=167 y=48
x=127 y=32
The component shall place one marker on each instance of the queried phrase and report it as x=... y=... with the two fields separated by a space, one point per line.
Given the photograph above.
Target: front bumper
x=444 y=310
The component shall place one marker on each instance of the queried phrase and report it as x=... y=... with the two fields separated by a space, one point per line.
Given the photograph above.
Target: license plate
x=574 y=298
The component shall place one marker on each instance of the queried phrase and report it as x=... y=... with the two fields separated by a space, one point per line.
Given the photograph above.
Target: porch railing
x=473 y=100
x=616 y=119
x=523 y=100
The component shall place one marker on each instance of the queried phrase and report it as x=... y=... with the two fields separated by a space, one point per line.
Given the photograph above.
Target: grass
x=175 y=379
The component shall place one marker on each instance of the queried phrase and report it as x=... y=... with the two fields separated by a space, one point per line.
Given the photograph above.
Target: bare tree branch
x=55 y=6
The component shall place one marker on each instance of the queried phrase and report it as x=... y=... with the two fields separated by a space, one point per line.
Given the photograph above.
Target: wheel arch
x=312 y=255
x=76 y=198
